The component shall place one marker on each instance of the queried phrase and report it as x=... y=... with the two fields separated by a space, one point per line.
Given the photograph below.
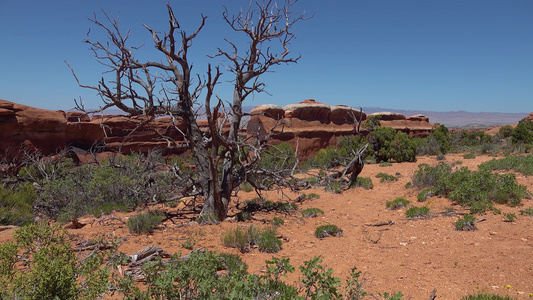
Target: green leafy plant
x=243 y=216
x=364 y=182
x=41 y=264
x=483 y=296
x=277 y=221
x=323 y=231
x=425 y=194
x=527 y=212
x=318 y=282
x=244 y=240
x=469 y=156
x=189 y=243
x=16 y=207
x=386 y=177
x=398 y=203
x=417 y=212
x=268 y=242
x=391 y=144
x=466 y=223
x=207 y=219
x=144 y=223
x=311 y=212
x=509 y=217
x=385 y=164
x=311 y=196
x=334 y=187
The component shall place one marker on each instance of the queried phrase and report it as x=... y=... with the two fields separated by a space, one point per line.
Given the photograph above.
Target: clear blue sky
x=439 y=55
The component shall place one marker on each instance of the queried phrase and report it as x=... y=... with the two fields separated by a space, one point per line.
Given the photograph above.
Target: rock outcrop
x=50 y=131
x=310 y=126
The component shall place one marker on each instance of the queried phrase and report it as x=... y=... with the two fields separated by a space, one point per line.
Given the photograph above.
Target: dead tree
x=168 y=87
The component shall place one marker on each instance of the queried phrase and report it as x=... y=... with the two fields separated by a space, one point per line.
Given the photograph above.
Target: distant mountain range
x=459 y=119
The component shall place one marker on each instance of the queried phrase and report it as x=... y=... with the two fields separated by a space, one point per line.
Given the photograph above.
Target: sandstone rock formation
x=309 y=125
x=51 y=131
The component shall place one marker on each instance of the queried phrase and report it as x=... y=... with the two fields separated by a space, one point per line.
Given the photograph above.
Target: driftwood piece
x=8 y=227
x=433 y=295
x=382 y=223
x=93 y=245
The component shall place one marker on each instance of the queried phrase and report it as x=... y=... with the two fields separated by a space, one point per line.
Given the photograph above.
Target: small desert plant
x=482 y=296
x=327 y=230
x=246 y=187
x=311 y=212
x=385 y=164
x=244 y=240
x=425 y=194
x=397 y=203
x=286 y=206
x=207 y=219
x=311 y=196
x=40 y=263
x=417 y=212
x=409 y=185
x=334 y=187
x=469 y=156
x=277 y=221
x=386 y=177
x=144 y=223
x=509 y=217
x=268 y=242
x=364 y=182
x=466 y=223
x=527 y=212
x=188 y=244
x=243 y=216
x=16 y=206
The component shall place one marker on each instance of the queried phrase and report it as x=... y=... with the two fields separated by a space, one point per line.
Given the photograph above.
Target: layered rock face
x=51 y=131
x=310 y=126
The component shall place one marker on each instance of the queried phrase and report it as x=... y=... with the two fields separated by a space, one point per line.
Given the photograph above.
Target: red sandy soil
x=412 y=256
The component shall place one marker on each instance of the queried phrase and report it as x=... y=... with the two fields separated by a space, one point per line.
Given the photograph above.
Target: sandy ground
x=412 y=256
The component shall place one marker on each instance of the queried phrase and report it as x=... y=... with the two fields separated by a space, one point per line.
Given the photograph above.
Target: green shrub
x=417 y=212
x=482 y=296
x=327 y=230
x=391 y=144
x=51 y=268
x=69 y=192
x=477 y=189
x=466 y=223
x=364 y=182
x=527 y=212
x=469 y=156
x=16 y=207
x=425 y=194
x=243 y=216
x=244 y=240
x=286 y=206
x=398 y=203
x=188 y=244
x=277 y=221
x=311 y=196
x=246 y=187
x=311 y=212
x=207 y=219
x=523 y=133
x=505 y=131
x=144 y=223
x=386 y=177
x=509 y=217
x=268 y=242
x=318 y=281
x=385 y=164
x=334 y=187
x=521 y=164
